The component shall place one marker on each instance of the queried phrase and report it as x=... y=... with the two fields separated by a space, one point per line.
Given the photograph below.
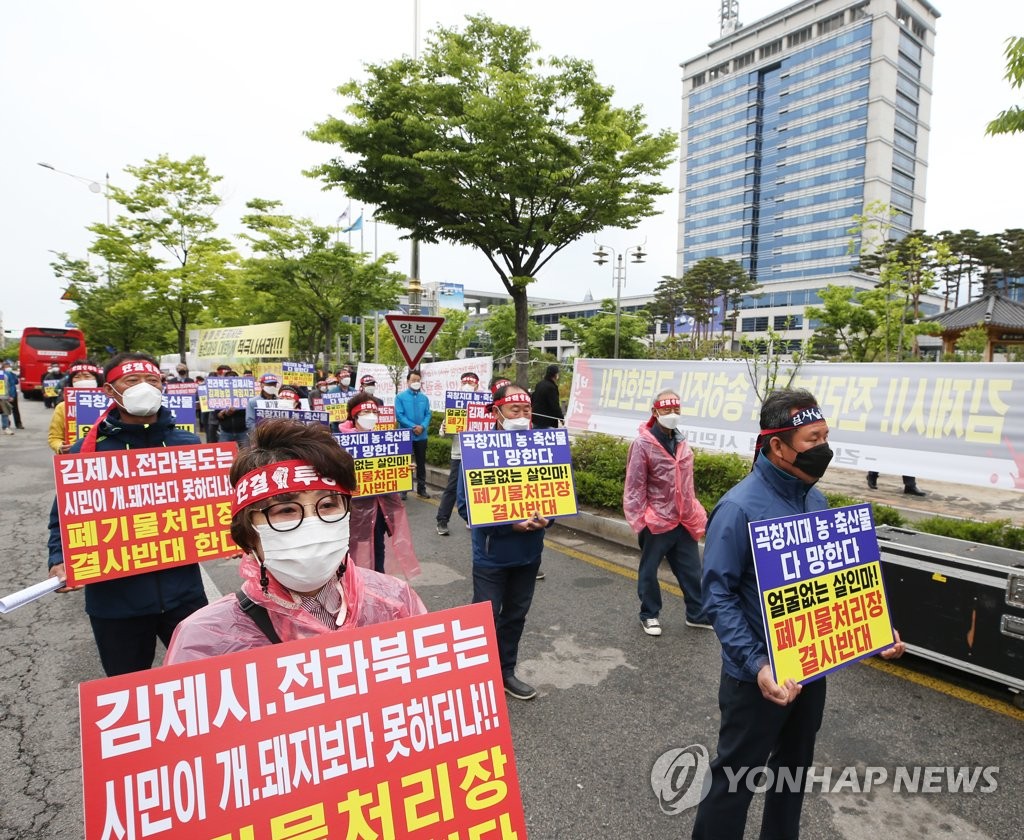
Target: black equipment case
x=957 y=602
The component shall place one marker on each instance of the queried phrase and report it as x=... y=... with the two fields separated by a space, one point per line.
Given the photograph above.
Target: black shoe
x=20 y=427
x=914 y=491
x=540 y=575
x=442 y=529
x=423 y=494
x=405 y=495
x=872 y=483
x=518 y=689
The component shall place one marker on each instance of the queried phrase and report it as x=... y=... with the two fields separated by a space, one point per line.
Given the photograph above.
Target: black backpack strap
x=259 y=615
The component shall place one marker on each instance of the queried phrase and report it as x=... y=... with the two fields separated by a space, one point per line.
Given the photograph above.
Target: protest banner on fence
x=822 y=597
x=944 y=421
x=510 y=476
x=393 y=730
x=253 y=341
x=127 y=512
x=383 y=460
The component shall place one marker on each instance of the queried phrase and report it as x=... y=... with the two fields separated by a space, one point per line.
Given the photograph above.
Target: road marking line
x=967 y=695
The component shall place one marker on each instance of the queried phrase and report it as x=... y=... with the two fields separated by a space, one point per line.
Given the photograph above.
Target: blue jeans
x=754 y=732
x=510 y=591
x=683 y=556
x=241 y=438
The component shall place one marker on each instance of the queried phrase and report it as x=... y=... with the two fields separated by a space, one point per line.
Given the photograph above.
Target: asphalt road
x=612 y=700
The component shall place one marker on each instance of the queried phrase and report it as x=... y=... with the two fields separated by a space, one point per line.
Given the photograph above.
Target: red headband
x=501 y=383
x=366 y=406
x=83 y=368
x=668 y=402
x=514 y=397
x=803 y=417
x=278 y=478
x=132 y=366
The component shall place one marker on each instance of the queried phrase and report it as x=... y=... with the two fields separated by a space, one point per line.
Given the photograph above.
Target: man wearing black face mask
x=763 y=723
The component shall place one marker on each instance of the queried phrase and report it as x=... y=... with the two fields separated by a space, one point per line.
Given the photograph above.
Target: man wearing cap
x=368 y=385
x=762 y=723
x=269 y=386
x=209 y=418
x=128 y=614
x=662 y=509
x=469 y=381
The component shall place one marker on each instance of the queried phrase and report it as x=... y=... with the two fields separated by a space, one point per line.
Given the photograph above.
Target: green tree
x=313 y=281
x=596 y=335
x=389 y=355
x=1011 y=120
x=482 y=143
x=455 y=334
x=163 y=248
x=972 y=343
x=500 y=329
x=669 y=302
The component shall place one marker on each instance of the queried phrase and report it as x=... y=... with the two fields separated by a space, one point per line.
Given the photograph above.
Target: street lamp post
x=94 y=186
x=619 y=276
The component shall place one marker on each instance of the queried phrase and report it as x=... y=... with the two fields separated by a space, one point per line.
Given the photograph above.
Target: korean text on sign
x=383 y=460
x=229 y=392
x=511 y=476
x=457 y=405
x=83 y=407
x=127 y=512
x=393 y=731
x=822 y=597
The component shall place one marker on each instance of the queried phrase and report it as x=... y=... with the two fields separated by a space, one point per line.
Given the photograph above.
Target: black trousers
x=754 y=733
x=419 y=456
x=510 y=591
x=17 y=412
x=127 y=645
x=444 y=509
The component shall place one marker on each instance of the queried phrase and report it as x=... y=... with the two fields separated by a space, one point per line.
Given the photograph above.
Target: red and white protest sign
x=413 y=334
x=138 y=510
x=386 y=419
x=395 y=730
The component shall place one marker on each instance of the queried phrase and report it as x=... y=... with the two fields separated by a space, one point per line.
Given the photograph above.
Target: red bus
x=42 y=347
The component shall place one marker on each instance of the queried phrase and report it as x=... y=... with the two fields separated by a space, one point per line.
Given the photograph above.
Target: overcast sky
x=91 y=87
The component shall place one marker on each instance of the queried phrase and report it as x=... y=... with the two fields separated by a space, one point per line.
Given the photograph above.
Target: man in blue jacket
x=763 y=723
x=412 y=411
x=506 y=558
x=128 y=614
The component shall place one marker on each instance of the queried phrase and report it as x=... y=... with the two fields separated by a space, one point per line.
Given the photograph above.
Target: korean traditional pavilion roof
x=991 y=310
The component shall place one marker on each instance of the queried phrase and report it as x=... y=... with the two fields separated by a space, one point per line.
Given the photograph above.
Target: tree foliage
x=1011 y=120
x=972 y=343
x=311 y=280
x=710 y=288
x=596 y=335
x=482 y=143
x=455 y=334
x=499 y=331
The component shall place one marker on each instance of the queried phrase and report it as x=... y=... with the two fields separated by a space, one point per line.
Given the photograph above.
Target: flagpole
x=349 y=214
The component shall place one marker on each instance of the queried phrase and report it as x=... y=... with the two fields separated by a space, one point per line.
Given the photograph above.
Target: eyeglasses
x=287 y=516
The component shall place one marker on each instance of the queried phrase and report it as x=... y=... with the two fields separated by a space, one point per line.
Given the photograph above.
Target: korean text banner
x=386 y=418
x=822 y=598
x=229 y=392
x=383 y=460
x=269 y=412
x=440 y=377
x=948 y=422
x=82 y=408
x=395 y=730
x=127 y=512
x=460 y=405
x=266 y=341
x=511 y=476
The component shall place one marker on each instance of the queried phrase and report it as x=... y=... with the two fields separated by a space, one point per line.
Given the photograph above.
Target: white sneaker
x=8 y=431
x=652 y=627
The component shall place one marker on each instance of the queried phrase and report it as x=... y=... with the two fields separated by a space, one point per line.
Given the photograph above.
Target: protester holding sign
x=380 y=518
x=269 y=385
x=762 y=722
x=661 y=507
x=81 y=374
x=506 y=558
x=469 y=382
x=412 y=408
x=293 y=489
x=128 y=614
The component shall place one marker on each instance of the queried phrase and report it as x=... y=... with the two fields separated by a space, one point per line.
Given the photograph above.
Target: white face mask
x=369 y=389
x=515 y=424
x=304 y=559
x=670 y=421
x=366 y=421
x=344 y=381
x=141 y=400
x=84 y=383
x=469 y=386
x=270 y=389
x=415 y=386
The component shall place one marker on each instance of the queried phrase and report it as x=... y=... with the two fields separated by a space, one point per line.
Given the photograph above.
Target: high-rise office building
x=792 y=126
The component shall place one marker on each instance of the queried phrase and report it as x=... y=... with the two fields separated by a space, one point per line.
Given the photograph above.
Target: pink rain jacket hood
x=222 y=627
x=659 y=487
